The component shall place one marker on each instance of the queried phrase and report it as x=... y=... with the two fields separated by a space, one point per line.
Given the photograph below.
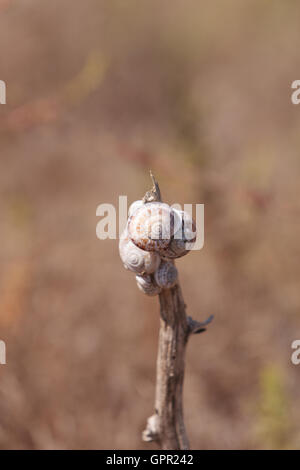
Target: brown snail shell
x=151 y=227
x=166 y=275
x=135 y=259
x=147 y=285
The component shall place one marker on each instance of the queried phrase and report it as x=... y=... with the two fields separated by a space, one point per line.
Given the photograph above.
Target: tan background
x=98 y=92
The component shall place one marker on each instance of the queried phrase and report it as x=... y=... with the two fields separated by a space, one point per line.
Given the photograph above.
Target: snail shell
x=134 y=206
x=135 y=259
x=176 y=249
x=147 y=285
x=189 y=227
x=166 y=275
x=183 y=239
x=152 y=226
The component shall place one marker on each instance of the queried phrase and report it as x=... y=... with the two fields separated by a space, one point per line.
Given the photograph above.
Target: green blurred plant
x=273 y=414
x=87 y=80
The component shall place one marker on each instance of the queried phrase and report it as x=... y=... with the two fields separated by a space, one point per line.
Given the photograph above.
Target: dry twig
x=166 y=426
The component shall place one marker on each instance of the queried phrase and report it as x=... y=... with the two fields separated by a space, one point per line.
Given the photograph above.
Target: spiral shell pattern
x=166 y=275
x=147 y=285
x=152 y=226
x=135 y=259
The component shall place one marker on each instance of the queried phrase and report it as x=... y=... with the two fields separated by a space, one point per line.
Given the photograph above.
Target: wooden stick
x=166 y=426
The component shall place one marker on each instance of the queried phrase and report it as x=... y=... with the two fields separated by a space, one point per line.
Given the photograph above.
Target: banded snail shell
x=147 y=285
x=134 y=206
x=135 y=259
x=166 y=275
x=152 y=226
x=189 y=228
x=183 y=239
x=176 y=249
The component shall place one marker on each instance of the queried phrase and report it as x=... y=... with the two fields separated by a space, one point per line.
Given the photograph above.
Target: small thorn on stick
x=197 y=327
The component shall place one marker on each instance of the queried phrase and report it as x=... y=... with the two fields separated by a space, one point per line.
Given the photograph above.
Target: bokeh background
x=98 y=92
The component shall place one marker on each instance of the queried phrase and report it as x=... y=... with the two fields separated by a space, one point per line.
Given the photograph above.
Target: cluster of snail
x=154 y=236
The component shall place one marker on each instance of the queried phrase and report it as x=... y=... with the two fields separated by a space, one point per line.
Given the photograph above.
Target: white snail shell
x=135 y=259
x=134 y=206
x=166 y=275
x=147 y=285
x=151 y=227
x=183 y=239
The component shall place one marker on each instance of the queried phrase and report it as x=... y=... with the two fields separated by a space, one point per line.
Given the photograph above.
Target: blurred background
x=98 y=92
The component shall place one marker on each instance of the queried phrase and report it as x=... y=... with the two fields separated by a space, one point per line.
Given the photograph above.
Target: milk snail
x=183 y=239
x=147 y=285
x=134 y=206
x=155 y=234
x=166 y=275
x=152 y=226
x=135 y=259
